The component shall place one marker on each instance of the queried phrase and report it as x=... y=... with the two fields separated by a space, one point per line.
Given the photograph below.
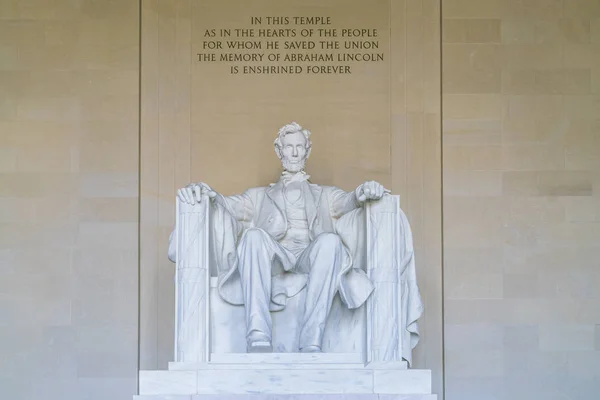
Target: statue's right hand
x=193 y=193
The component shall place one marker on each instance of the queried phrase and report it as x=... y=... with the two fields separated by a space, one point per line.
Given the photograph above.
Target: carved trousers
x=321 y=260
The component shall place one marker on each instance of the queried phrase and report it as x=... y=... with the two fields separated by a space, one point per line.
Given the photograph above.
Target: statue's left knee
x=328 y=239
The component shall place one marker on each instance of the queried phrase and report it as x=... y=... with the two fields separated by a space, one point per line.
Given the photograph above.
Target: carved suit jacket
x=264 y=208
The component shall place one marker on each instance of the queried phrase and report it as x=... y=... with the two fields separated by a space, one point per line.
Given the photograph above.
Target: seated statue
x=270 y=243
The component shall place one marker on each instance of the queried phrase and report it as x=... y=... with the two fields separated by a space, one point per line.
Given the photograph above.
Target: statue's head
x=292 y=146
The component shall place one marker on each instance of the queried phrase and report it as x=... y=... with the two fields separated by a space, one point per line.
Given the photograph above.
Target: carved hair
x=289 y=129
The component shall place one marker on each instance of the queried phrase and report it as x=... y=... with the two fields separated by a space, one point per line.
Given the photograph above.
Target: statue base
x=291 y=397
x=331 y=374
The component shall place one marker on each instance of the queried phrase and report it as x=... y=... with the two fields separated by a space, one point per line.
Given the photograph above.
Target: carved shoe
x=258 y=342
x=311 y=349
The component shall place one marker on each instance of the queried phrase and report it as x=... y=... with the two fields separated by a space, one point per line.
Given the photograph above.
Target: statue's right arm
x=240 y=207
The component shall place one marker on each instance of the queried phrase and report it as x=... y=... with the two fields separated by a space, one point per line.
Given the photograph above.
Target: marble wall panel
x=520 y=201
x=69 y=193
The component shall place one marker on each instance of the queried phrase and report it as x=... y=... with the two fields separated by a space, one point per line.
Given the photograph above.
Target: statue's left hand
x=370 y=190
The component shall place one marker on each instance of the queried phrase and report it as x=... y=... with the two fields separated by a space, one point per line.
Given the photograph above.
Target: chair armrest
x=192 y=280
x=384 y=333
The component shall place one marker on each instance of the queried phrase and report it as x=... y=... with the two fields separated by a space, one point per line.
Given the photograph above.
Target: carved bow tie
x=289 y=177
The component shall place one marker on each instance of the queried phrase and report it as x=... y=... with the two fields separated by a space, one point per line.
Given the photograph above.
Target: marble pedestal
x=291 y=397
x=277 y=375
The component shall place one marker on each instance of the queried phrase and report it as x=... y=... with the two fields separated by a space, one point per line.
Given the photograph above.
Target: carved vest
x=297 y=237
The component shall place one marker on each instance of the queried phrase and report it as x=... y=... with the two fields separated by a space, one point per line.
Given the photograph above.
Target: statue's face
x=293 y=152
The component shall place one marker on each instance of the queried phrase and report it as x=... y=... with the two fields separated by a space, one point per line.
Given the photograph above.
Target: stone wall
x=521 y=97
x=68 y=199
x=521 y=233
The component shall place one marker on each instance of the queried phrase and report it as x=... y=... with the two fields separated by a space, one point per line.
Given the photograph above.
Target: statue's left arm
x=343 y=202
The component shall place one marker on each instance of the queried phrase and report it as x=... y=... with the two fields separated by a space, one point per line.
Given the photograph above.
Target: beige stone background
x=69 y=143
x=521 y=175
x=521 y=95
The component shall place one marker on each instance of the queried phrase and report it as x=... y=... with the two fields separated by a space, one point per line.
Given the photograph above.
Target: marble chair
x=210 y=330
x=366 y=351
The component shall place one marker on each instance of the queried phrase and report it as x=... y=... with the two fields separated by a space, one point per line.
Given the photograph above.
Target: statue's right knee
x=254 y=235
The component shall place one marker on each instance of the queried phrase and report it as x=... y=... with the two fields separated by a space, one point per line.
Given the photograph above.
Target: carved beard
x=293 y=166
